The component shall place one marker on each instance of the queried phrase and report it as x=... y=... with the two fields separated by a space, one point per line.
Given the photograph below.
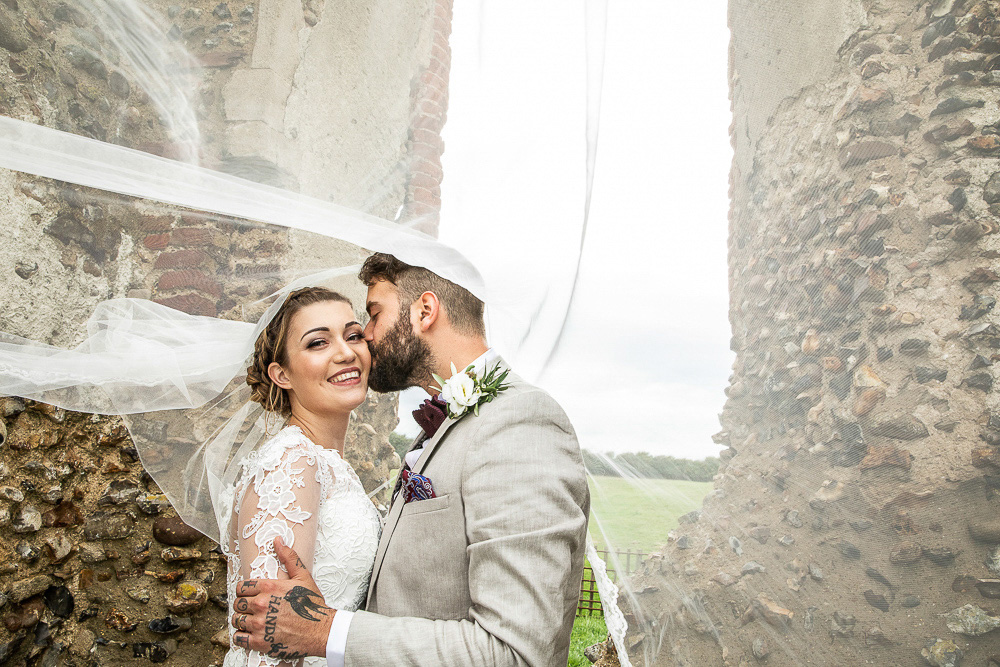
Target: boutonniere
x=467 y=391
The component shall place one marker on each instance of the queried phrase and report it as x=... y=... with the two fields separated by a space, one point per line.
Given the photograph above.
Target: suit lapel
x=396 y=508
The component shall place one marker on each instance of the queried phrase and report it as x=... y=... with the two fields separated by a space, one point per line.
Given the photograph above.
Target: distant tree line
x=400 y=443
x=610 y=464
x=646 y=465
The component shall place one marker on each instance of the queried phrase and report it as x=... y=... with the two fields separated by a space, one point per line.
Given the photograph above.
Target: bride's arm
x=280 y=501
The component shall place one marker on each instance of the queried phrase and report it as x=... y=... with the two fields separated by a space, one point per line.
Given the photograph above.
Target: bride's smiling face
x=327 y=360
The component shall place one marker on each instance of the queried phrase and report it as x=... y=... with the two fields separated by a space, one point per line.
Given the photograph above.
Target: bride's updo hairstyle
x=271 y=346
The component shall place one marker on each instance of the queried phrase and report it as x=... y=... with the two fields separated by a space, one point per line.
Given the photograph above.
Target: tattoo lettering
x=243 y=641
x=301 y=599
x=281 y=652
x=247 y=586
x=271 y=618
x=242 y=605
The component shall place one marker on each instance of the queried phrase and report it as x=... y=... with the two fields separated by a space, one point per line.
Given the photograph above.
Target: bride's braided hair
x=271 y=346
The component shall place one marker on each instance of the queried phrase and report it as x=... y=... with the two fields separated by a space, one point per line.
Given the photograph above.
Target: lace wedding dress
x=312 y=499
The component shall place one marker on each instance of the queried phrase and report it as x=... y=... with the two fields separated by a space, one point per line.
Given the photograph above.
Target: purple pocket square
x=416 y=487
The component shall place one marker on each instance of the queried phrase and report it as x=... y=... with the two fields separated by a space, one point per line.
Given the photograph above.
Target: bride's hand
x=282 y=618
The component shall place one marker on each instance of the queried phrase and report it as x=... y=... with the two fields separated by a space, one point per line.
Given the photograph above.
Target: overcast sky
x=645 y=356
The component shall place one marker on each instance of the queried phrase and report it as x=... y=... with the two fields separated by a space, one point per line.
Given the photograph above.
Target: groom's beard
x=401 y=360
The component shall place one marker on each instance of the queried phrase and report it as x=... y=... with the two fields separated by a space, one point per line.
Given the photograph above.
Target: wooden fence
x=590 y=600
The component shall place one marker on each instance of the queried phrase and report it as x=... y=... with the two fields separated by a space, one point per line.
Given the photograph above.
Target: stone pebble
x=172 y=530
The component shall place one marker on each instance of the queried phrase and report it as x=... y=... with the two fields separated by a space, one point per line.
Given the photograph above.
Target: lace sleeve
x=280 y=500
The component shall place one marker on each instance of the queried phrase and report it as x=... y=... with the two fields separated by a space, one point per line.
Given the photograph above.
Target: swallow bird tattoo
x=301 y=599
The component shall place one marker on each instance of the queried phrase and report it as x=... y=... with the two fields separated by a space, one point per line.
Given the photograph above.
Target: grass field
x=637 y=513
x=631 y=514
x=587 y=631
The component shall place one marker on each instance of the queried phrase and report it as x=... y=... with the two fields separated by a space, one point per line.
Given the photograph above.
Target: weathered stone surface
x=886 y=455
x=170 y=624
x=942 y=653
x=903 y=427
x=119 y=492
x=26 y=519
x=173 y=531
x=187 y=598
x=108 y=526
x=25 y=588
x=13 y=36
x=905 y=553
x=152 y=503
x=985 y=530
x=173 y=554
x=971 y=620
x=864 y=151
x=59 y=601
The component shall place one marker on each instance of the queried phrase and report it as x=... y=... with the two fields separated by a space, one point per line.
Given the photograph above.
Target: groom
x=482 y=551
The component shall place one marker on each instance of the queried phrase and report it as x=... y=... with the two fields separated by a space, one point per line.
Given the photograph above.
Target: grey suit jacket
x=489 y=571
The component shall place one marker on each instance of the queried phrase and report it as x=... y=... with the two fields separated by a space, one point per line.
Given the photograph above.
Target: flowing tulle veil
x=176 y=267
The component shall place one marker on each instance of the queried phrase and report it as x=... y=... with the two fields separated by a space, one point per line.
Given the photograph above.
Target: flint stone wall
x=97 y=569
x=855 y=518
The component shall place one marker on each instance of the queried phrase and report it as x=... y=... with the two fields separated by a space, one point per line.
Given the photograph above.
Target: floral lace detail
x=312 y=499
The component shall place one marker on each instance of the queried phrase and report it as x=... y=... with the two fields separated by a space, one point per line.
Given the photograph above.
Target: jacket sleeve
x=526 y=505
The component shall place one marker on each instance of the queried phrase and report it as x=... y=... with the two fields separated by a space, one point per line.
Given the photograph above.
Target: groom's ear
x=278 y=376
x=428 y=310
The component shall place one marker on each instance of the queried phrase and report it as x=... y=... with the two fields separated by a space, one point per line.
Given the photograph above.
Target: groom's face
x=400 y=359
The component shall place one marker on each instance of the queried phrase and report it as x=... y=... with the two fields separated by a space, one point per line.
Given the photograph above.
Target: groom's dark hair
x=465 y=312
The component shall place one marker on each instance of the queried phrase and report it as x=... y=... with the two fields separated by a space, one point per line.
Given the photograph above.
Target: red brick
x=191 y=236
x=257 y=270
x=429 y=107
x=441 y=51
x=427 y=122
x=439 y=67
x=191 y=304
x=425 y=196
x=444 y=9
x=419 y=180
x=181 y=259
x=421 y=151
x=430 y=167
x=415 y=209
x=434 y=94
x=422 y=136
x=156 y=241
x=433 y=80
x=156 y=223
x=191 y=278
x=442 y=29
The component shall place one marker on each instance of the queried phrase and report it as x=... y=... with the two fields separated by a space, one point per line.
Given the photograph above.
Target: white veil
x=123 y=201
x=176 y=376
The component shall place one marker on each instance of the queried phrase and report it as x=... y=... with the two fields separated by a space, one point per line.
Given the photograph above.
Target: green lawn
x=631 y=514
x=637 y=513
x=587 y=631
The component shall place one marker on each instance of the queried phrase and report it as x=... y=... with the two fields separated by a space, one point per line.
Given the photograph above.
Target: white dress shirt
x=336 y=643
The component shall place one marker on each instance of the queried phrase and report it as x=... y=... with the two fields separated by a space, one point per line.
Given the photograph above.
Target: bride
x=310 y=365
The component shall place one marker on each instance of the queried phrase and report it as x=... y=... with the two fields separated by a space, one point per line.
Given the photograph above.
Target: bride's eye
x=315 y=343
x=357 y=335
